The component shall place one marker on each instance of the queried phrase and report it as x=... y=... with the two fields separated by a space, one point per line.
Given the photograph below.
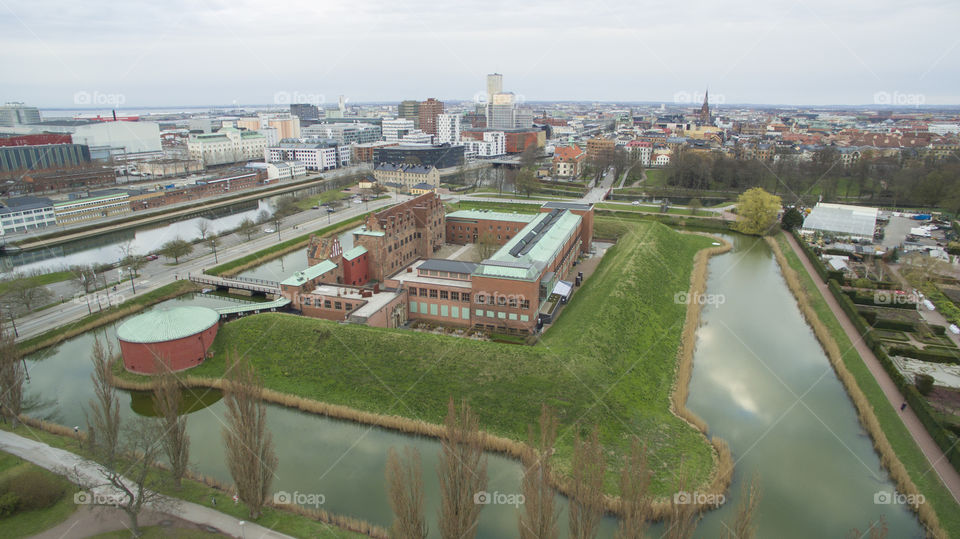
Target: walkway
x=72 y=465
x=938 y=461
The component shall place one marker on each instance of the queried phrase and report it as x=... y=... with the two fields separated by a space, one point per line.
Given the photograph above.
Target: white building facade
x=448 y=129
x=228 y=145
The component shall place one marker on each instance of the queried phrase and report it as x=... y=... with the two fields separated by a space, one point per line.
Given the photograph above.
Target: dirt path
x=938 y=461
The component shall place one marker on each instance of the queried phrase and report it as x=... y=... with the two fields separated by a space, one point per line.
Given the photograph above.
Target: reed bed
x=888 y=458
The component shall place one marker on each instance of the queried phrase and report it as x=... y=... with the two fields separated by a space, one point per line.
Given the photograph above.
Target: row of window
x=327 y=304
x=445 y=311
x=501 y=315
x=441 y=294
x=500 y=299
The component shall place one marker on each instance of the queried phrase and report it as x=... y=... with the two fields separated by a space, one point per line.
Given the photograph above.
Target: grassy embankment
x=43 y=279
x=610 y=361
x=309 y=202
x=44 y=498
x=898 y=452
x=99 y=318
x=201 y=490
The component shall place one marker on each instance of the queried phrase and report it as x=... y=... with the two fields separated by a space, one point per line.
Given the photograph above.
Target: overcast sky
x=219 y=52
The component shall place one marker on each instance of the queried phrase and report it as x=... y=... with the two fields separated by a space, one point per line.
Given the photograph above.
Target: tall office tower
x=448 y=129
x=16 y=113
x=429 y=110
x=500 y=111
x=305 y=111
x=410 y=110
x=494 y=85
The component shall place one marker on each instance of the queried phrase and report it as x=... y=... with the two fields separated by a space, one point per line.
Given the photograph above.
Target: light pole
x=12 y=320
x=132 y=285
x=213 y=243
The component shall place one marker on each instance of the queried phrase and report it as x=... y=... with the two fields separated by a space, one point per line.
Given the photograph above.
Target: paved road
x=935 y=457
x=74 y=466
x=159 y=273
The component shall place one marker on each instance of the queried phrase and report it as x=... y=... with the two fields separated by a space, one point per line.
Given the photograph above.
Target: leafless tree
x=538 y=519
x=11 y=377
x=24 y=294
x=462 y=470
x=84 y=278
x=586 y=497
x=167 y=401
x=247 y=228
x=249 y=445
x=635 y=493
x=742 y=527
x=487 y=244
x=203 y=227
x=103 y=417
x=405 y=490
x=684 y=515
x=877 y=530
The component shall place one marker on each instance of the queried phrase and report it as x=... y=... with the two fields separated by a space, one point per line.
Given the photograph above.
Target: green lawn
x=38 y=280
x=653 y=208
x=27 y=523
x=322 y=198
x=508 y=207
x=903 y=444
x=608 y=361
x=656 y=177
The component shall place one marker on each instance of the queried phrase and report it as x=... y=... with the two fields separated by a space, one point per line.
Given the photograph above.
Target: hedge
x=931 y=354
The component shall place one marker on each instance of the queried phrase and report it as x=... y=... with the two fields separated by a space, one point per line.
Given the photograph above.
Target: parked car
x=269 y=230
x=635 y=203
x=152 y=257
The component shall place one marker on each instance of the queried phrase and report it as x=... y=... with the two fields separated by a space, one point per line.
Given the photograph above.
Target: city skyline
x=184 y=54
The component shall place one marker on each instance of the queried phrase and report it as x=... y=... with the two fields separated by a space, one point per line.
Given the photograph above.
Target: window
x=433 y=293
x=481 y=299
x=464 y=297
x=525 y=304
x=433 y=309
x=479 y=312
x=444 y=311
x=306 y=301
x=501 y=314
x=489 y=314
x=513 y=302
x=465 y=313
x=413 y=306
x=454 y=311
x=348 y=306
x=326 y=304
x=337 y=305
x=501 y=300
x=443 y=294
x=455 y=296
x=524 y=318
x=513 y=316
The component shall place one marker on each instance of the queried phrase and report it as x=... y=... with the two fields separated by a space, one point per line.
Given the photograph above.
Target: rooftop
x=492 y=215
x=355 y=252
x=301 y=277
x=842 y=219
x=580 y=206
x=159 y=325
x=442 y=264
x=533 y=248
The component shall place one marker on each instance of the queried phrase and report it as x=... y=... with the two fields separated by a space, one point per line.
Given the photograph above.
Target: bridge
x=259 y=286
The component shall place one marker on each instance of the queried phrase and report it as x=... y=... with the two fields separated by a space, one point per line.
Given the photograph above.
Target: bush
x=924 y=383
x=931 y=355
x=8 y=504
x=864 y=283
x=35 y=489
x=897 y=325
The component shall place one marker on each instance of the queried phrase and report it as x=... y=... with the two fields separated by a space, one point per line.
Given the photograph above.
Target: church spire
x=705 y=109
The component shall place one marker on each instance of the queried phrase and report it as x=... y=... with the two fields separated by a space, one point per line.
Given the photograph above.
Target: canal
x=760 y=381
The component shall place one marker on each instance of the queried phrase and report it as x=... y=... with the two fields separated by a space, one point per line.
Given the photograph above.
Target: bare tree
x=103 y=417
x=742 y=527
x=683 y=515
x=84 y=277
x=167 y=401
x=586 y=496
x=635 y=493
x=24 y=293
x=462 y=470
x=11 y=377
x=487 y=244
x=538 y=520
x=405 y=490
x=203 y=227
x=249 y=445
x=247 y=227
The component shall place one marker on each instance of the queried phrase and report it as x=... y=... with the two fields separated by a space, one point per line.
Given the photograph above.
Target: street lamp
x=132 y=285
x=12 y=320
x=213 y=243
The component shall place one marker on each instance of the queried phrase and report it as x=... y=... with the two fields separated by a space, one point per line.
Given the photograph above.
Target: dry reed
x=888 y=458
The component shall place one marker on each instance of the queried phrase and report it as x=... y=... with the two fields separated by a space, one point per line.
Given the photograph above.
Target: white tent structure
x=841 y=220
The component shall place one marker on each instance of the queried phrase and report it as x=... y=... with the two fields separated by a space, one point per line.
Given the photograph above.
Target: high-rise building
x=16 y=113
x=305 y=111
x=410 y=110
x=448 y=129
x=494 y=85
x=428 y=112
x=396 y=128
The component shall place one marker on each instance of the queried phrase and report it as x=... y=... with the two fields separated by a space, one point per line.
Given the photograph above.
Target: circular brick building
x=179 y=336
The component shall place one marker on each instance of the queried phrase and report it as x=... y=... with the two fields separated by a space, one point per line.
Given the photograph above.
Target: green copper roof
x=492 y=215
x=354 y=253
x=301 y=277
x=162 y=324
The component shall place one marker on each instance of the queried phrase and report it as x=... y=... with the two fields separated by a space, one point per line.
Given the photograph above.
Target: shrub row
x=930 y=354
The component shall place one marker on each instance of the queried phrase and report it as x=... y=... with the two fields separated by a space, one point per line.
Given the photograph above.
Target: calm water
x=816 y=465
x=282 y=267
